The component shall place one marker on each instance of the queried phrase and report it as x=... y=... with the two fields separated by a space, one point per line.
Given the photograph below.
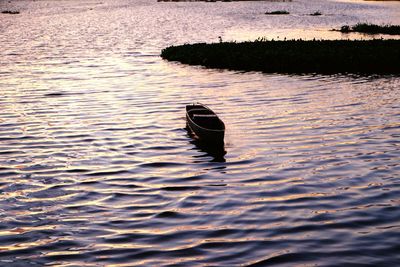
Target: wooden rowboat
x=205 y=124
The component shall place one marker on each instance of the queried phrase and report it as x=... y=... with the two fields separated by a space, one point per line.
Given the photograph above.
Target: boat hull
x=211 y=130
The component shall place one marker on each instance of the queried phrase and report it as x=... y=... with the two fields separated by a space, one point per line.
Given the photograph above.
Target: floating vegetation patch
x=278 y=12
x=293 y=56
x=316 y=13
x=371 y=29
x=11 y=12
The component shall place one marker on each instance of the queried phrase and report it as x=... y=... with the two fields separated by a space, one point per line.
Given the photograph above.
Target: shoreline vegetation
x=371 y=29
x=293 y=56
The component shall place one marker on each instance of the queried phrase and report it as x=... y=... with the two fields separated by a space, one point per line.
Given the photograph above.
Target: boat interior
x=205 y=118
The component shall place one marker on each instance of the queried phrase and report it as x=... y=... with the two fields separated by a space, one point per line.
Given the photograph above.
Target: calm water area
x=97 y=169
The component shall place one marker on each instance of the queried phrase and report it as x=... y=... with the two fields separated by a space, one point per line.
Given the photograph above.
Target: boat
x=205 y=125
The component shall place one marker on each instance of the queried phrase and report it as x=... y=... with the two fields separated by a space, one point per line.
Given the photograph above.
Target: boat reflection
x=215 y=150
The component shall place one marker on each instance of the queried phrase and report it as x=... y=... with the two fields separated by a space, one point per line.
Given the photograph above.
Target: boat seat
x=198 y=109
x=204 y=115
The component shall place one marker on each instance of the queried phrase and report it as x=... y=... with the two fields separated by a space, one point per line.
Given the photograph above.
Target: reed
x=293 y=56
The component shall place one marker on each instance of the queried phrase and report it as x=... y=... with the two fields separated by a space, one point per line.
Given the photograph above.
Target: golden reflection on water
x=287 y=197
x=290 y=180
x=32 y=244
x=294 y=34
x=108 y=156
x=26 y=229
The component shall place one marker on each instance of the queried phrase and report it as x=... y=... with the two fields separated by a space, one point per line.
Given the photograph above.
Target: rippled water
x=97 y=169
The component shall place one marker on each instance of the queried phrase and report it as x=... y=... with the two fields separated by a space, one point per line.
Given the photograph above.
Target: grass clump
x=371 y=29
x=294 y=56
x=278 y=12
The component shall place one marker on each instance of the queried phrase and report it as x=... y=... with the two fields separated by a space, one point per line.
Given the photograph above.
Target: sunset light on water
x=97 y=167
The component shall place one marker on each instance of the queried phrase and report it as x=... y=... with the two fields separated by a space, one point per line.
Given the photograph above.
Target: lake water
x=96 y=167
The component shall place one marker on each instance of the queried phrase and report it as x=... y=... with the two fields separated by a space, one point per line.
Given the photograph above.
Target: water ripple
x=97 y=168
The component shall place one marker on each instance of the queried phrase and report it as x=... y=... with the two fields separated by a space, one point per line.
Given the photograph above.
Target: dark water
x=96 y=167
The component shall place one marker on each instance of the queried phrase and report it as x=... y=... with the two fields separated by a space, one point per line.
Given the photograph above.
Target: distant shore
x=294 y=56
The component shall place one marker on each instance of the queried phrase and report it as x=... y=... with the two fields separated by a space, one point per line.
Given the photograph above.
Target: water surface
x=96 y=167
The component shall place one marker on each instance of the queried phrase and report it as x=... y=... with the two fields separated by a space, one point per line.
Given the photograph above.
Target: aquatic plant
x=316 y=13
x=278 y=12
x=371 y=29
x=345 y=29
x=10 y=12
x=293 y=56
